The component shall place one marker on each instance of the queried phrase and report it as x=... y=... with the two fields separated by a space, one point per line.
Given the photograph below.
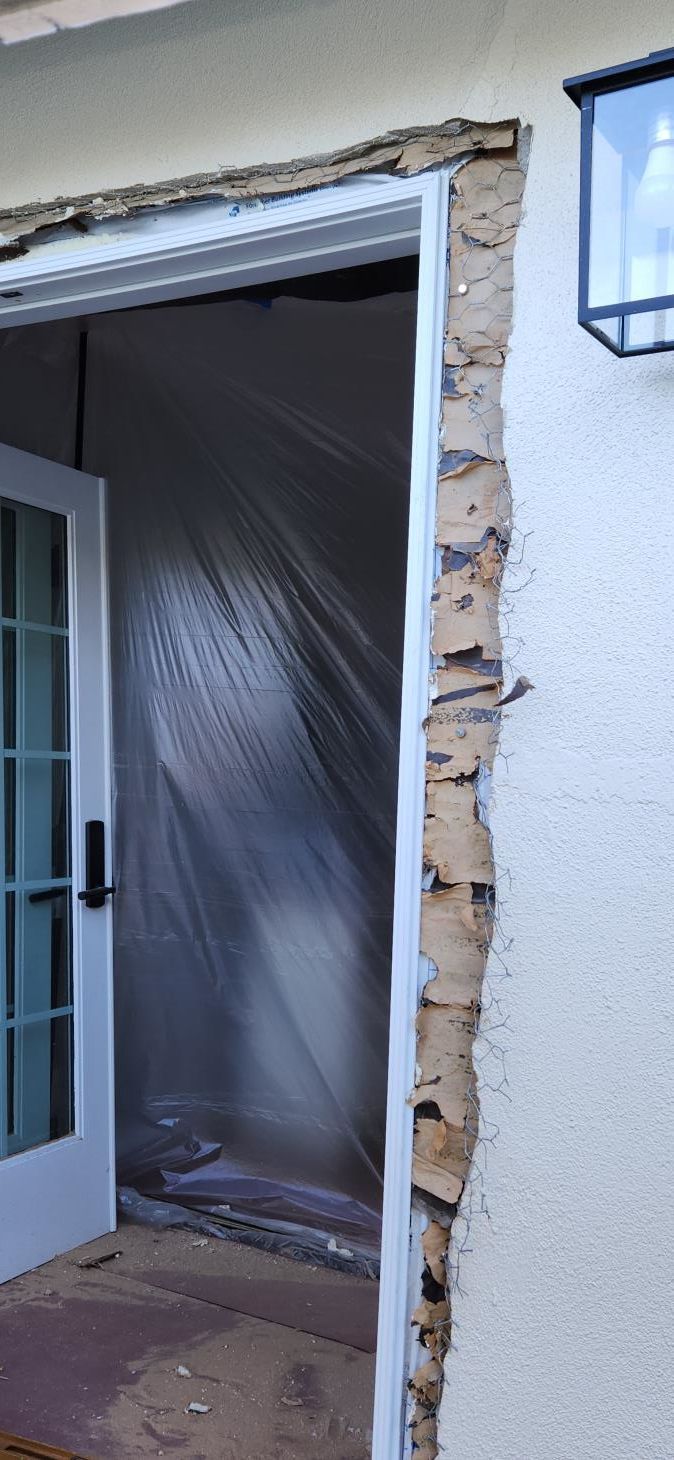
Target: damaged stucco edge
x=402 y=153
x=473 y=525
x=473 y=528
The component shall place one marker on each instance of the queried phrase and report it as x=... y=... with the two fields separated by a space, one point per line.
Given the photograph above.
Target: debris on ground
x=333 y=1246
x=98 y=1261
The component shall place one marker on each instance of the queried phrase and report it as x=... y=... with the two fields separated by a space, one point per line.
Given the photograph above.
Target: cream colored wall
x=22 y=20
x=242 y=81
x=564 y=1331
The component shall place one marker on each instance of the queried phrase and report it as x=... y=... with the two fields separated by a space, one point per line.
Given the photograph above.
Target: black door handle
x=95 y=892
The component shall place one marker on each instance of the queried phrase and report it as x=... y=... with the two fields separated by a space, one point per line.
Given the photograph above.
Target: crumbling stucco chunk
x=434 y=1162
x=461 y=734
x=454 y=936
x=488 y=200
x=444 y=1049
x=472 y=500
x=472 y=421
x=434 y=1246
x=466 y=613
x=455 y=841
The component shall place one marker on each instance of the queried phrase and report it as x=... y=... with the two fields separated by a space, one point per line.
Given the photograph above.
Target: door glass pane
x=8 y=560
x=9 y=687
x=10 y=961
x=42 y=662
x=36 y=1001
x=43 y=930
x=39 y=1082
x=43 y=791
x=10 y=817
x=44 y=542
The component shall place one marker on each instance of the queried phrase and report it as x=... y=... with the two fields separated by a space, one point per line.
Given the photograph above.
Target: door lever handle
x=95 y=892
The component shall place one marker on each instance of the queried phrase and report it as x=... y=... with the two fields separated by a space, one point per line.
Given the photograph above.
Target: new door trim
x=184 y=250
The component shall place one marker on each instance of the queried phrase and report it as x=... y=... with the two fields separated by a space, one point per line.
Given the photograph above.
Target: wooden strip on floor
x=12 y=1447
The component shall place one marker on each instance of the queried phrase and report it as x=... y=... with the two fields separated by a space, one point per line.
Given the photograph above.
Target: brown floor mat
x=14 y=1448
x=346 y=1313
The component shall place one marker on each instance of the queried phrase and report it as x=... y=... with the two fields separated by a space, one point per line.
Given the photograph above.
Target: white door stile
x=409 y=971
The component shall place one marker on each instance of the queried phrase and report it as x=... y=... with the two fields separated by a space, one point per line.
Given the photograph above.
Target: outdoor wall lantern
x=626 y=279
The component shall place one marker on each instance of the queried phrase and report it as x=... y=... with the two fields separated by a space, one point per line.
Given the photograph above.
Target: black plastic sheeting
x=257 y=453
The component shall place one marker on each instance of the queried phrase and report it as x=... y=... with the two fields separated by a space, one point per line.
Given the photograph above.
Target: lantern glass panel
x=631 y=246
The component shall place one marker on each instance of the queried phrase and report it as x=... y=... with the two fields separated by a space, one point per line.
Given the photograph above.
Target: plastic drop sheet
x=257 y=455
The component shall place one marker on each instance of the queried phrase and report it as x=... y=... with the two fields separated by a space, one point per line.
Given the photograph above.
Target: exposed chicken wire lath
x=473 y=532
x=25 y=20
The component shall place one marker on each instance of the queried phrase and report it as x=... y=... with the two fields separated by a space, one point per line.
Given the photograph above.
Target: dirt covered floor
x=107 y=1359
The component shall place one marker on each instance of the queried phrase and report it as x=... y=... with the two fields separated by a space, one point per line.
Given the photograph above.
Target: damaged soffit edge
x=25 y=20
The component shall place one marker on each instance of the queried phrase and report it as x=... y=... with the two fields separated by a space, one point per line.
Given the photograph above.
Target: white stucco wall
x=565 y=1330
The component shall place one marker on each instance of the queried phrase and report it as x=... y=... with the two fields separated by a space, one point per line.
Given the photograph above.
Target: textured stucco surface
x=564 y=1330
x=22 y=20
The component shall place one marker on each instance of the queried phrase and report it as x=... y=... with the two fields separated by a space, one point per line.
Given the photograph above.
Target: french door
x=56 y=1141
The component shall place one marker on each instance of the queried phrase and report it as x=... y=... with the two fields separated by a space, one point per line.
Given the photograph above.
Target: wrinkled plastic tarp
x=257 y=455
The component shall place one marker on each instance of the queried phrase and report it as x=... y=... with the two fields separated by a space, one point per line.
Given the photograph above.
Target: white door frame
x=183 y=250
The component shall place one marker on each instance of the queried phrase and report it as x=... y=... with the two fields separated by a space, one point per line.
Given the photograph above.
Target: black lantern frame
x=584 y=91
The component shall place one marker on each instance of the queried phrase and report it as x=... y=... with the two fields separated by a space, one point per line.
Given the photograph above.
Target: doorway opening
x=256 y=448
